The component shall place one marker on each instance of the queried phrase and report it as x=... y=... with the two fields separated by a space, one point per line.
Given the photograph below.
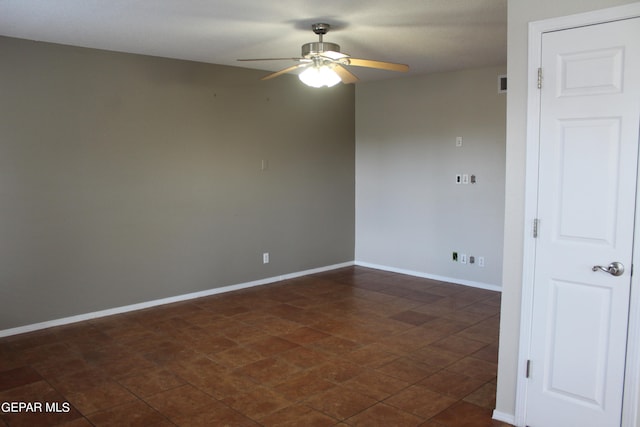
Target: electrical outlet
x=458 y=141
x=454 y=257
x=472 y=259
x=465 y=178
x=458 y=179
x=265 y=258
x=480 y=261
x=463 y=258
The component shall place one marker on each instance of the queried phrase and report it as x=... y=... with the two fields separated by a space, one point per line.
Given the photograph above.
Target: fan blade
x=286 y=70
x=345 y=75
x=270 y=59
x=391 y=66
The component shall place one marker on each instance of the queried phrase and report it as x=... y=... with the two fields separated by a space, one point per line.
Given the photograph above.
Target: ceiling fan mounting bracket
x=320 y=28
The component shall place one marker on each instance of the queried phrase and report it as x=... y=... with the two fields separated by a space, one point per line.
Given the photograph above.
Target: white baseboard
x=154 y=303
x=505 y=418
x=471 y=283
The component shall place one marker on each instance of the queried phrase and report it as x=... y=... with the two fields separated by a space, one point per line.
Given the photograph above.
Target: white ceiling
x=428 y=35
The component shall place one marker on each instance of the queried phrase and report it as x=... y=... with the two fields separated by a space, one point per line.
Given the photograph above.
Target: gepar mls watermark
x=34 y=407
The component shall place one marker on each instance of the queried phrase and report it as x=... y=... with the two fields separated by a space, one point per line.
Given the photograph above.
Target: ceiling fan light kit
x=324 y=65
x=319 y=76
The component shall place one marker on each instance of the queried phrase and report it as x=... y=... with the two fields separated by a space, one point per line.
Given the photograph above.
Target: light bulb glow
x=319 y=76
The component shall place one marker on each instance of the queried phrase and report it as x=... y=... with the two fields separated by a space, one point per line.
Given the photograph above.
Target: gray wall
x=521 y=12
x=410 y=213
x=127 y=178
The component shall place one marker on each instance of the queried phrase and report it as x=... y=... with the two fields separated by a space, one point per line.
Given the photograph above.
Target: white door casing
x=583 y=190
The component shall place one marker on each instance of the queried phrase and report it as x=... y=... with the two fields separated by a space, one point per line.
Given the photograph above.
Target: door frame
x=631 y=397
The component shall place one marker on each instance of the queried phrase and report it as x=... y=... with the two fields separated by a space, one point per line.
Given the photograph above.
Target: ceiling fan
x=324 y=65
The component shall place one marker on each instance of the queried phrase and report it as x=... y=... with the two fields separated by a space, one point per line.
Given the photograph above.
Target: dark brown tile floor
x=350 y=347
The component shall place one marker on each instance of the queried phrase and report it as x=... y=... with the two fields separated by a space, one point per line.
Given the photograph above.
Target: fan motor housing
x=314 y=48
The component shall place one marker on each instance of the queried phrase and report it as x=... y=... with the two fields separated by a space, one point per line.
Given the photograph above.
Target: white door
x=588 y=164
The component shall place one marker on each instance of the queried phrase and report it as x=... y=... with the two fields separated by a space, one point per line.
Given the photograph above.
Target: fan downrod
x=310 y=50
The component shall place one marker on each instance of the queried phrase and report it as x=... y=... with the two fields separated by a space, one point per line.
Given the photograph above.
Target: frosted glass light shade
x=319 y=76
